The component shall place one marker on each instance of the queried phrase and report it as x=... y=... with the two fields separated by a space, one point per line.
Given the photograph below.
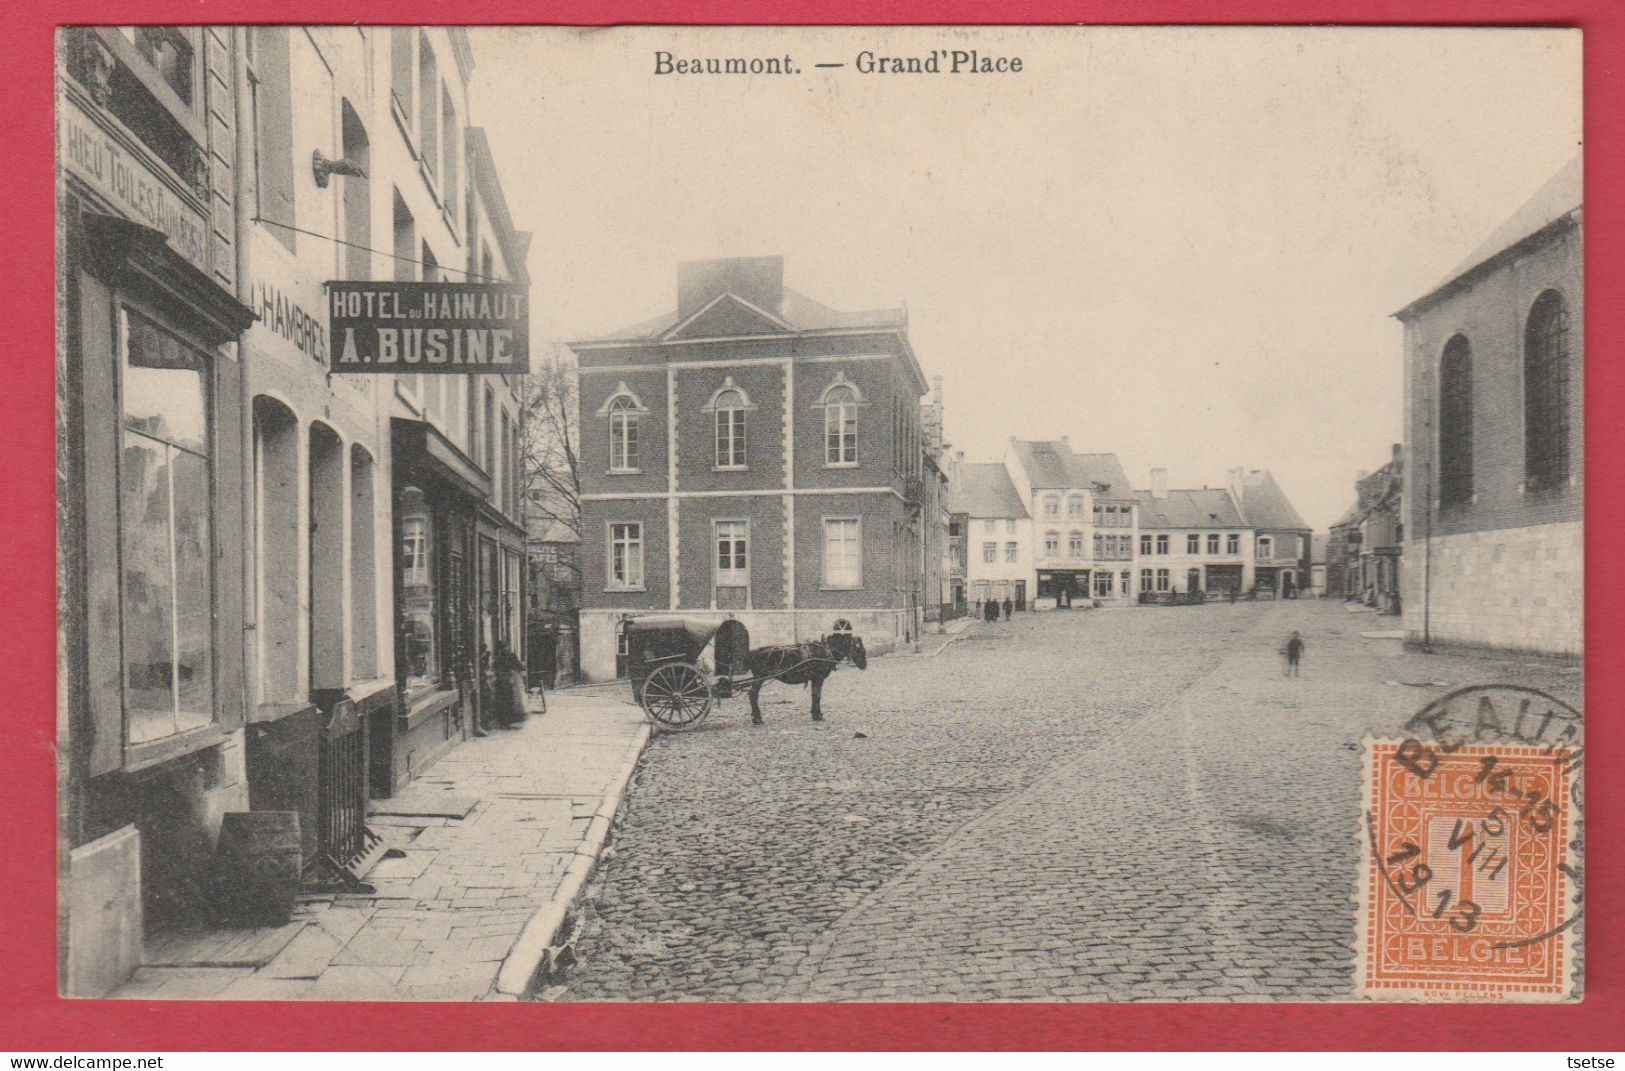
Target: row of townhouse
x=280 y=588
x=1049 y=527
x=1494 y=488
x=755 y=454
x=1365 y=548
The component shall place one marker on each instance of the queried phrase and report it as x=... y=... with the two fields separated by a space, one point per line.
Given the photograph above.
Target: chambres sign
x=451 y=328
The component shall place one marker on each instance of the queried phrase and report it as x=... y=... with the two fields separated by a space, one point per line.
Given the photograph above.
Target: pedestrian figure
x=1294 y=652
x=1008 y=606
x=509 y=687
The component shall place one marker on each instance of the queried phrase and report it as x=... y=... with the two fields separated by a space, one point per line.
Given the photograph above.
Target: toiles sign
x=455 y=328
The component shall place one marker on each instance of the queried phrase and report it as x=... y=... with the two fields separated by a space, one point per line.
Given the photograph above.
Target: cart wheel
x=677 y=696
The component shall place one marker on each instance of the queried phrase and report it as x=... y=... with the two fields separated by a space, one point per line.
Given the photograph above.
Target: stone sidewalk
x=495 y=840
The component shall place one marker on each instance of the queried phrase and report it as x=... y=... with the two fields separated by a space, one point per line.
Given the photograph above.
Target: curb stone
x=529 y=951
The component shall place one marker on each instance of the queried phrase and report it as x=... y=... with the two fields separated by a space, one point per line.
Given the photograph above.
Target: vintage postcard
x=820 y=514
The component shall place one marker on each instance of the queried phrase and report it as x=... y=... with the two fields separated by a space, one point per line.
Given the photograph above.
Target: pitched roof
x=797 y=310
x=1264 y=504
x=1210 y=507
x=1562 y=194
x=985 y=491
x=1052 y=463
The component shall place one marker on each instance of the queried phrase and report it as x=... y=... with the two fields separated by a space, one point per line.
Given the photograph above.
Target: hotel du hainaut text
x=454 y=328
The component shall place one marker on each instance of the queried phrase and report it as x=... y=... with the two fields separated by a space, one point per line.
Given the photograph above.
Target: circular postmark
x=1473 y=823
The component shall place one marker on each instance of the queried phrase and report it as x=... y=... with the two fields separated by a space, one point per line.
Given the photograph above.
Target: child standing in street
x=1294 y=653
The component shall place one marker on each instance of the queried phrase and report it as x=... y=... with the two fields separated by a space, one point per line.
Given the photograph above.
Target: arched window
x=841 y=427
x=623 y=434
x=730 y=413
x=1456 y=423
x=1546 y=392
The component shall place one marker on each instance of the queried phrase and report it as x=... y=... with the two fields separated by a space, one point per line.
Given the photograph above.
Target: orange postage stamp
x=1468 y=890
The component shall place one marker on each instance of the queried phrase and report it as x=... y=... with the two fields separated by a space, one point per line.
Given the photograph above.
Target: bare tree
x=552 y=441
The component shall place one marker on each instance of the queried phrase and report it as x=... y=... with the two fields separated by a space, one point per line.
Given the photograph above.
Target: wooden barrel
x=259 y=867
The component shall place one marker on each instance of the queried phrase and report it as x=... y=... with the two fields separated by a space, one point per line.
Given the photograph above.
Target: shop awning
x=419 y=447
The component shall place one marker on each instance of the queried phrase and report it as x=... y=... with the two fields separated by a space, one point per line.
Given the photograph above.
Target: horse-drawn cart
x=666 y=663
x=665 y=660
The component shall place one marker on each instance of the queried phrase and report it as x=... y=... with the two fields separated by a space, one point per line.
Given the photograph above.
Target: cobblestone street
x=1119 y=804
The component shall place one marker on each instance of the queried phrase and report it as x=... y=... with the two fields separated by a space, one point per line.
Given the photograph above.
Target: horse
x=803 y=663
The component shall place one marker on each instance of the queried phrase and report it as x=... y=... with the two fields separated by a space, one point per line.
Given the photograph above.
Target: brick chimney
x=1159 y=483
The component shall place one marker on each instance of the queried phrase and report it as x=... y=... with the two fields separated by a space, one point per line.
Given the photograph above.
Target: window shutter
x=229 y=541
x=273 y=116
x=103 y=655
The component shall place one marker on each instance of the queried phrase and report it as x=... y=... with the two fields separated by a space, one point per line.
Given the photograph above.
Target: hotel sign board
x=434 y=328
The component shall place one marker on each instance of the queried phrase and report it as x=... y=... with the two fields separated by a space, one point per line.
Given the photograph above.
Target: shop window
x=732 y=570
x=843 y=552
x=1546 y=392
x=510 y=601
x=166 y=543
x=1103 y=585
x=841 y=427
x=273 y=132
x=277 y=536
x=363 y=578
x=418 y=592
x=625 y=556
x=1456 y=423
x=730 y=429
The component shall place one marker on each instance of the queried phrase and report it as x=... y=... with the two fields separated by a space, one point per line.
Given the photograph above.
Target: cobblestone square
x=1120 y=804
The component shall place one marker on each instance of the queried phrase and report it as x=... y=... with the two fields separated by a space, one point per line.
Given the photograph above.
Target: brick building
x=1494 y=554
x=752 y=454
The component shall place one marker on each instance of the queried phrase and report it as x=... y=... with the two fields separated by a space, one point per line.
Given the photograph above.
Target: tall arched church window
x=1456 y=423
x=1546 y=392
